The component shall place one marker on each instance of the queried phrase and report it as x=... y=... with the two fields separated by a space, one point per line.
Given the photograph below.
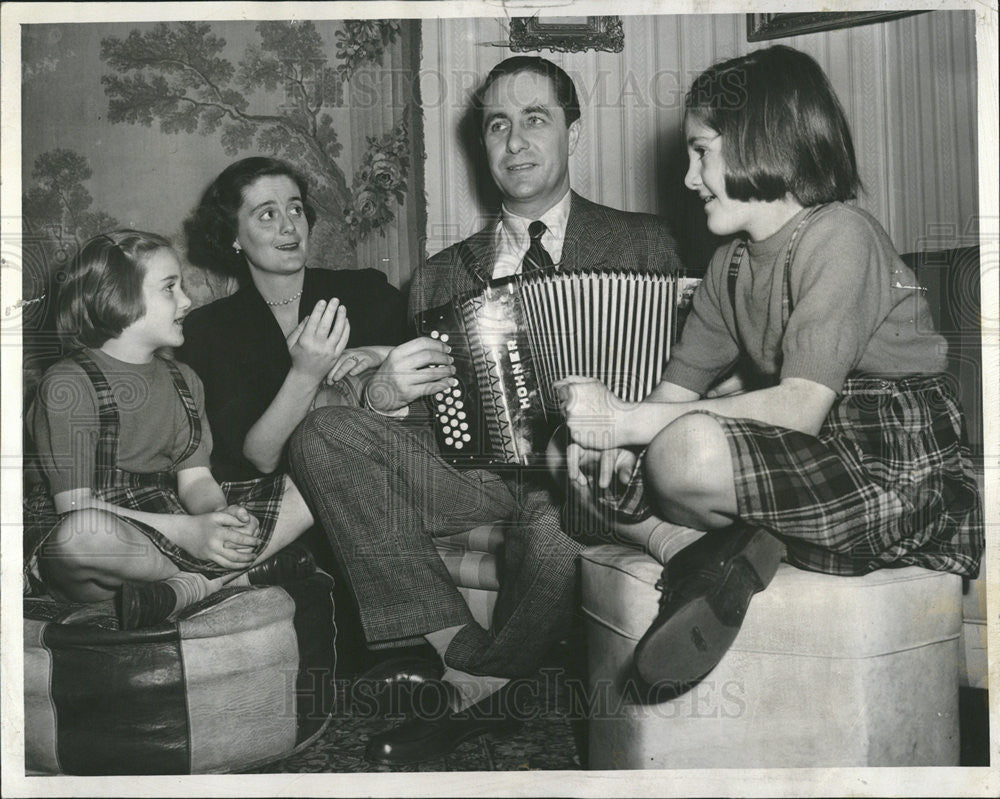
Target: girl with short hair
x=804 y=410
x=120 y=428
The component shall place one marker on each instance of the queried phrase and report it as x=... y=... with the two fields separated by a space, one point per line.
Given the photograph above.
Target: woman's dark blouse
x=237 y=348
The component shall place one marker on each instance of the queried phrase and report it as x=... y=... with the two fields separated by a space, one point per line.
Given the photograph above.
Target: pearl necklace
x=291 y=299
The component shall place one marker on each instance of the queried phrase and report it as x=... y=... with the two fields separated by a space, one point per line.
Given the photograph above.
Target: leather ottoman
x=826 y=671
x=242 y=678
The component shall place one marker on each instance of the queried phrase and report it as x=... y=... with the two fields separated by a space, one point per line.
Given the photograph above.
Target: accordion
x=514 y=339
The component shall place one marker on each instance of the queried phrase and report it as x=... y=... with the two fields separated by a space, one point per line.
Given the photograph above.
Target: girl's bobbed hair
x=212 y=227
x=783 y=129
x=102 y=293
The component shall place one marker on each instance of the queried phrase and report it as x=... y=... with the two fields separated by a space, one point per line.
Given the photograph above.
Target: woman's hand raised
x=318 y=340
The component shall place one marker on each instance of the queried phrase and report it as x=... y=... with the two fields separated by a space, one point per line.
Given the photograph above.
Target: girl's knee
x=87 y=545
x=690 y=453
x=294 y=510
x=84 y=535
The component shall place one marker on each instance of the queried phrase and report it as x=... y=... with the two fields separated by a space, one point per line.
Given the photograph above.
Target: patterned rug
x=550 y=736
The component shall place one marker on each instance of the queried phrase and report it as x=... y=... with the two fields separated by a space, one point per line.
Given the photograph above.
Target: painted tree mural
x=57 y=208
x=57 y=217
x=176 y=74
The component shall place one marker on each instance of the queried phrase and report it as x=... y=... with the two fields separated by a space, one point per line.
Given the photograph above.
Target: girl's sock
x=191 y=587
x=147 y=604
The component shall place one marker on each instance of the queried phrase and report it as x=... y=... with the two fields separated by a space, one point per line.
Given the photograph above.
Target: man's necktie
x=537 y=258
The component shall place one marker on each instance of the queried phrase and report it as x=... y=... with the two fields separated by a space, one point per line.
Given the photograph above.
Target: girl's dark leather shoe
x=294 y=562
x=707 y=588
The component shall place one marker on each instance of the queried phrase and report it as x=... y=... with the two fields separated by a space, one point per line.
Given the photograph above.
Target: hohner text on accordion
x=515 y=338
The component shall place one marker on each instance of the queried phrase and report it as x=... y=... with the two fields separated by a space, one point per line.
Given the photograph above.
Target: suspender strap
x=786 y=291
x=786 y=288
x=194 y=420
x=734 y=270
x=106 y=456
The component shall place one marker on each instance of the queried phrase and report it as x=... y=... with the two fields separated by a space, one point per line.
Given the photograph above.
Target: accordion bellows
x=515 y=339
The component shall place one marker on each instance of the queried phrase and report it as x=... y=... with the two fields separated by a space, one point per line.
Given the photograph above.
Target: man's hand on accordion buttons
x=593 y=413
x=412 y=370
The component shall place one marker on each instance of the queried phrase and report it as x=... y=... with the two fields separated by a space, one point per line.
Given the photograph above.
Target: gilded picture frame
x=560 y=35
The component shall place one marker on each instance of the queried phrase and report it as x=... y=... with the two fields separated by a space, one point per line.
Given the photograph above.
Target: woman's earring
x=237 y=247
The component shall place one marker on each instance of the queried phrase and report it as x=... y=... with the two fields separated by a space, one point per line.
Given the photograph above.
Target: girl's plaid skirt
x=888 y=481
x=152 y=493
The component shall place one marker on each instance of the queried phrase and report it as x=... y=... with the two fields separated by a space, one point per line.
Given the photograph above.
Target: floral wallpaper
x=335 y=98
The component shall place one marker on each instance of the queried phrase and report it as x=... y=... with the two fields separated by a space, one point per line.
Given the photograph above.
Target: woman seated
x=269 y=352
x=278 y=346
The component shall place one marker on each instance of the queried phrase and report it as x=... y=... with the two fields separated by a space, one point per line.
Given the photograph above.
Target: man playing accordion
x=376 y=478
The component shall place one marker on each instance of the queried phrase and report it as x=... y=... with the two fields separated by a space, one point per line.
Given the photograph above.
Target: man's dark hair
x=561 y=82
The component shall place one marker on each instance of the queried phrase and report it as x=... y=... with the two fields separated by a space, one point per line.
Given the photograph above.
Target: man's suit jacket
x=596 y=237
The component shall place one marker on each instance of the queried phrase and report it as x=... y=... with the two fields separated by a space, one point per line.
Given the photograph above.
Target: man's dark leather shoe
x=427 y=737
x=294 y=562
x=707 y=588
x=391 y=686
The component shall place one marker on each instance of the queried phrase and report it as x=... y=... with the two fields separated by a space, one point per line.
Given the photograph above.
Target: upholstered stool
x=243 y=678
x=826 y=671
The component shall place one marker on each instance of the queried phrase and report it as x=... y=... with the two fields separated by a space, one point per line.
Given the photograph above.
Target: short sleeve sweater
x=855 y=308
x=153 y=425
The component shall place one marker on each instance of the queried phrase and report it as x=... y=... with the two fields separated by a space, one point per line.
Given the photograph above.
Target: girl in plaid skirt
x=805 y=410
x=133 y=512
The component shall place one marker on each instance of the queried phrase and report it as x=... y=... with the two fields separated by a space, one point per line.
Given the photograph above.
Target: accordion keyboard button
x=435 y=334
x=449 y=440
x=458 y=445
x=444 y=337
x=466 y=437
x=439 y=396
x=461 y=414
